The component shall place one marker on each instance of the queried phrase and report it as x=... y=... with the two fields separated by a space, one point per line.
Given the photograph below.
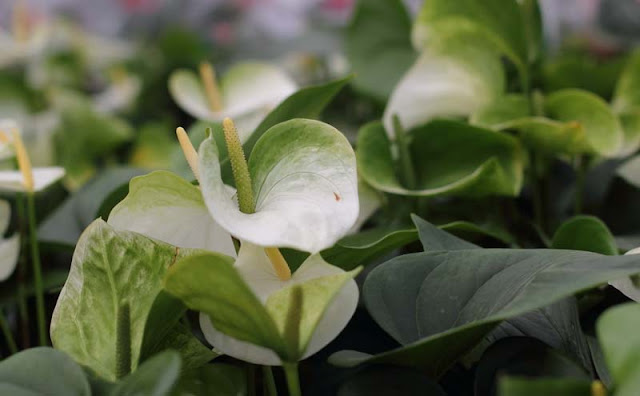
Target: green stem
x=6 y=330
x=37 y=269
x=580 y=168
x=123 y=341
x=269 y=381
x=293 y=380
x=22 y=273
x=404 y=153
x=251 y=379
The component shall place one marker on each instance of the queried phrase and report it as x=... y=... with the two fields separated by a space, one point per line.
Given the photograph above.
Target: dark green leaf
x=586 y=233
x=384 y=381
x=156 y=377
x=214 y=379
x=548 y=387
x=42 y=371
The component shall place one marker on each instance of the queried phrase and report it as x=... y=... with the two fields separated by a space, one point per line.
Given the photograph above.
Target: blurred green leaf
x=586 y=233
x=378 y=46
x=514 y=386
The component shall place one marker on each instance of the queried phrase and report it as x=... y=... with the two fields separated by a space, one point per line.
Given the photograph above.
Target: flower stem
x=269 y=381
x=293 y=380
x=580 y=166
x=405 y=160
x=22 y=274
x=37 y=269
x=6 y=330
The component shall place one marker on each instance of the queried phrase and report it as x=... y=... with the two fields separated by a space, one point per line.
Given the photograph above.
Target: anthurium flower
x=628 y=286
x=119 y=94
x=9 y=247
x=26 y=179
x=247 y=93
x=445 y=81
x=26 y=40
x=306 y=173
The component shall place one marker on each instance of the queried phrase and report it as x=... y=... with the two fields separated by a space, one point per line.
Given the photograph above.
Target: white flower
x=9 y=247
x=28 y=39
x=247 y=93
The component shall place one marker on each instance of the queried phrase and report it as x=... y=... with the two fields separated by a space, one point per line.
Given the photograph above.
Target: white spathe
x=164 y=206
x=626 y=285
x=249 y=91
x=450 y=82
x=256 y=270
x=304 y=182
x=13 y=181
x=9 y=247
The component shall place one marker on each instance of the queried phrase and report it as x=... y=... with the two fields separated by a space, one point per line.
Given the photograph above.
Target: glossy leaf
x=303 y=172
x=109 y=268
x=378 y=46
x=626 y=98
x=586 y=233
x=437 y=321
x=444 y=161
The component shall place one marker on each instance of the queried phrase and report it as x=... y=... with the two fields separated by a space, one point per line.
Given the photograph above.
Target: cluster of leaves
x=525 y=170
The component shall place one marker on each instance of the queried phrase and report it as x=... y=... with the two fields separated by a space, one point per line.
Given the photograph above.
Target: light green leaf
x=164 y=206
x=444 y=161
x=42 y=371
x=498 y=22
x=539 y=133
x=378 y=46
x=315 y=297
x=617 y=330
x=626 y=96
x=631 y=128
x=109 y=268
x=304 y=184
x=155 y=377
x=208 y=283
x=602 y=129
x=504 y=109
x=438 y=321
x=586 y=233
x=453 y=80
x=521 y=386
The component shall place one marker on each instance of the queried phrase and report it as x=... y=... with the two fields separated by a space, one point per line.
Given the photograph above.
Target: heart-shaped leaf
x=602 y=130
x=109 y=268
x=437 y=321
x=586 y=233
x=444 y=161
